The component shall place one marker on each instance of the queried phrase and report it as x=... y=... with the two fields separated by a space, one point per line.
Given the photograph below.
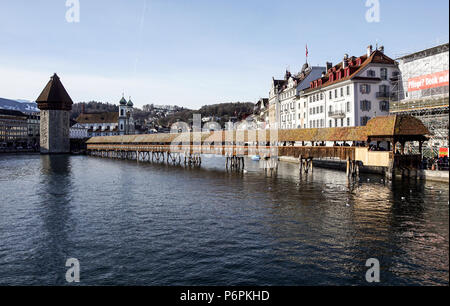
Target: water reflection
x=54 y=208
x=148 y=224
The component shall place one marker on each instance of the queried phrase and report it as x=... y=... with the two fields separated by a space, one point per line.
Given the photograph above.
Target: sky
x=195 y=52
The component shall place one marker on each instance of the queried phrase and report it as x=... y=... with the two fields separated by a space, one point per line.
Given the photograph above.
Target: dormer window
x=358 y=61
x=347 y=72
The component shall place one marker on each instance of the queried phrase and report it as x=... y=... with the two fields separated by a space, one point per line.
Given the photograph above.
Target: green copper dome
x=123 y=101
x=130 y=103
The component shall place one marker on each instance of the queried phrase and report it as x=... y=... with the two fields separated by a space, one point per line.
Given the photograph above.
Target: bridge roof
x=388 y=127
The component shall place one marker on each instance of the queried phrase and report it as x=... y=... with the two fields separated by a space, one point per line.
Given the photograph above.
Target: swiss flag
x=307 y=51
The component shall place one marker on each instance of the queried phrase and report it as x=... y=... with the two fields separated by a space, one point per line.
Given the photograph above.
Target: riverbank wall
x=340 y=165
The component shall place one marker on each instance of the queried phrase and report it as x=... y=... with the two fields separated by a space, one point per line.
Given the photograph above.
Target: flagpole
x=307 y=53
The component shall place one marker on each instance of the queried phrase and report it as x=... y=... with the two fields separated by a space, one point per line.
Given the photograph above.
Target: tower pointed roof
x=123 y=101
x=54 y=96
x=130 y=103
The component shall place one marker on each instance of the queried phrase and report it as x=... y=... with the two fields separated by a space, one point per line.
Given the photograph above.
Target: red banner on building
x=437 y=79
x=443 y=152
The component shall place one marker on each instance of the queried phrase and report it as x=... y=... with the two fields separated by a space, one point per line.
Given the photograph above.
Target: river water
x=150 y=224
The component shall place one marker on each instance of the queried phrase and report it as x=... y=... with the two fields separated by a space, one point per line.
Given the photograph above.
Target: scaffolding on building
x=430 y=105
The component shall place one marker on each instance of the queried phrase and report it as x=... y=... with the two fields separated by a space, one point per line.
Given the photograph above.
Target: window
x=322 y=121
x=335 y=122
x=348 y=107
x=121 y=112
x=299 y=116
x=371 y=73
x=383 y=73
x=342 y=91
x=342 y=121
x=335 y=93
x=314 y=98
x=310 y=111
x=314 y=110
x=331 y=95
x=331 y=108
x=384 y=106
x=321 y=96
x=384 y=88
x=321 y=109
x=331 y=123
x=365 y=88
x=364 y=120
x=366 y=105
x=348 y=121
x=304 y=104
x=348 y=90
x=299 y=105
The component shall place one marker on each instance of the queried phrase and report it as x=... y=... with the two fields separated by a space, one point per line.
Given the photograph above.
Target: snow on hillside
x=18 y=105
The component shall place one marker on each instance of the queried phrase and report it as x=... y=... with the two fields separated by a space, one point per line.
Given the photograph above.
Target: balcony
x=338 y=114
x=383 y=94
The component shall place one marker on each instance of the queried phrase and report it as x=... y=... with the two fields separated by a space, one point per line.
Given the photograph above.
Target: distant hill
x=18 y=105
x=92 y=107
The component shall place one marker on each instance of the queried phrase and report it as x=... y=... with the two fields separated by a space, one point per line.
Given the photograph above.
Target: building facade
x=78 y=131
x=285 y=111
x=13 y=128
x=350 y=93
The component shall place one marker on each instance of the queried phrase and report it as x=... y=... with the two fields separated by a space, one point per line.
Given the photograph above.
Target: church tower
x=130 y=119
x=55 y=105
x=123 y=116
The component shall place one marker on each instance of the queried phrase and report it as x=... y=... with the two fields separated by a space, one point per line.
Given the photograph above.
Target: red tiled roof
x=377 y=57
x=108 y=117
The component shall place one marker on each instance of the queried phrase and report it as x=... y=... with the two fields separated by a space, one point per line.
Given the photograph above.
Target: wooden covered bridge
x=380 y=143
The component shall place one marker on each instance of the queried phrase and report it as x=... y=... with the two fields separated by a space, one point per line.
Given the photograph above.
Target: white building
x=109 y=123
x=350 y=93
x=285 y=111
x=78 y=131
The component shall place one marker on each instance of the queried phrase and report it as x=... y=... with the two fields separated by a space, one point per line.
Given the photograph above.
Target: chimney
x=329 y=65
x=369 y=50
x=381 y=49
x=345 y=61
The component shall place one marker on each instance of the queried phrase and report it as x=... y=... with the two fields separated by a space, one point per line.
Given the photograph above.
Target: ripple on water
x=142 y=224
